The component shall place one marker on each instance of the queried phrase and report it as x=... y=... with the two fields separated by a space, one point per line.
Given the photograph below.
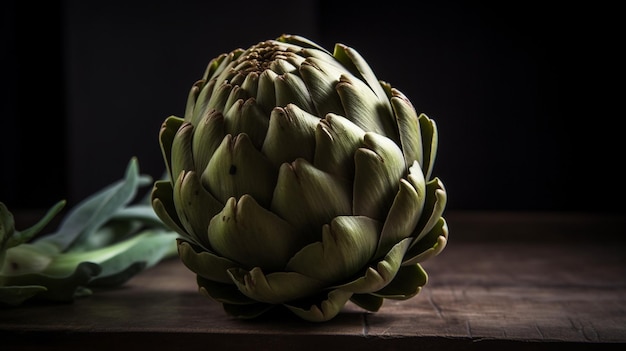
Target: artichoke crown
x=297 y=178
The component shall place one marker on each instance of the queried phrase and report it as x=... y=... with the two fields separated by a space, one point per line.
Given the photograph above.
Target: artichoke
x=299 y=179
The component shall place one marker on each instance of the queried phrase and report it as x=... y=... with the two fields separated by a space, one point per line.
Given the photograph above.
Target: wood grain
x=482 y=294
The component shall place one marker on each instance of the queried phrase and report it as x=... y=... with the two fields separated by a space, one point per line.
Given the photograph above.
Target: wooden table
x=506 y=281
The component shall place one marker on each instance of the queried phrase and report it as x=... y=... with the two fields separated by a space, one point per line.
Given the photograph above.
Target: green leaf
x=408 y=128
x=28 y=258
x=194 y=206
x=138 y=213
x=300 y=42
x=290 y=89
x=347 y=245
x=364 y=108
x=436 y=199
x=430 y=140
x=405 y=211
x=292 y=127
x=163 y=203
x=282 y=66
x=226 y=293
x=407 y=283
x=238 y=168
x=220 y=94
x=167 y=133
x=193 y=95
x=308 y=198
x=266 y=94
x=234 y=102
x=379 y=168
x=274 y=288
x=204 y=263
x=207 y=136
x=182 y=155
x=429 y=245
x=247 y=117
x=102 y=241
x=94 y=211
x=323 y=310
x=378 y=276
x=253 y=236
x=149 y=246
x=353 y=61
x=321 y=78
x=336 y=138
x=10 y=237
x=57 y=288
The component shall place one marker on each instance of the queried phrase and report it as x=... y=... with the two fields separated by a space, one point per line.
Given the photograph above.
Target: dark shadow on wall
x=33 y=139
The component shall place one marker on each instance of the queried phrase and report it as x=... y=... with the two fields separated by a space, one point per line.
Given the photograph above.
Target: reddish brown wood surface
x=505 y=281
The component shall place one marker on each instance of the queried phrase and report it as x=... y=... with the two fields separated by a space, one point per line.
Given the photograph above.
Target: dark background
x=527 y=97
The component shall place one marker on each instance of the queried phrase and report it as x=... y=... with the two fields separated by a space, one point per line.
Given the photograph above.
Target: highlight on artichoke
x=102 y=242
x=299 y=179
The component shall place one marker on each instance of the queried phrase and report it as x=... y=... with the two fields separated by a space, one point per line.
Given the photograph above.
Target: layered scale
x=299 y=179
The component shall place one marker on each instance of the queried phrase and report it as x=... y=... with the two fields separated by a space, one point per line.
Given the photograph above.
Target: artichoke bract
x=299 y=179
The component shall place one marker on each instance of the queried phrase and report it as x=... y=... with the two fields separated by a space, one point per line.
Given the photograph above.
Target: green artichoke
x=299 y=179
